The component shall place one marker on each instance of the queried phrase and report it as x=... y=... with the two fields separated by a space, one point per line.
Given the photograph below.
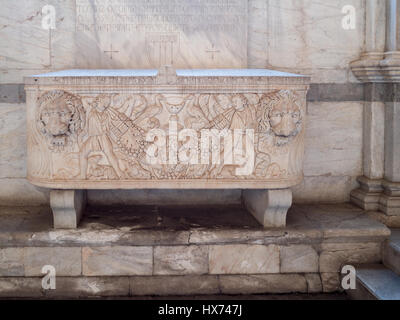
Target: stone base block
x=269 y=207
x=389 y=205
x=368 y=195
x=365 y=200
x=377 y=195
x=67 y=206
x=130 y=252
x=86 y=287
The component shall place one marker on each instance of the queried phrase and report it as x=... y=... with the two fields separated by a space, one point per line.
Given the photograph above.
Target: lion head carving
x=61 y=115
x=282 y=115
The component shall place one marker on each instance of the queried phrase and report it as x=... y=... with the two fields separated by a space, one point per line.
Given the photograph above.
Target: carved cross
x=111 y=51
x=213 y=51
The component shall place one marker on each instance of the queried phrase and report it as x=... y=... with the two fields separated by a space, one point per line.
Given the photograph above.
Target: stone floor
x=169 y=251
x=30 y=226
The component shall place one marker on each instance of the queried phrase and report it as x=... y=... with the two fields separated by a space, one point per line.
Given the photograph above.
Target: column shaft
x=392 y=25
x=375 y=26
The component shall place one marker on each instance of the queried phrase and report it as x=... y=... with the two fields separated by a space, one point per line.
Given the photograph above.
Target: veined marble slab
x=295 y=36
x=100 y=73
x=233 y=73
x=179 y=73
x=152 y=33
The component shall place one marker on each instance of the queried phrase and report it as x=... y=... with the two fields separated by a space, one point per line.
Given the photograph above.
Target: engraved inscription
x=154 y=33
x=160 y=15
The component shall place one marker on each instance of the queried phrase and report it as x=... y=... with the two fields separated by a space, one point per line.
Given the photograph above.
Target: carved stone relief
x=106 y=136
x=61 y=117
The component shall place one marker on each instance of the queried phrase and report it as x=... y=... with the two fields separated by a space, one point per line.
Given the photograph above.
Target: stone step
x=142 y=251
x=376 y=282
x=391 y=251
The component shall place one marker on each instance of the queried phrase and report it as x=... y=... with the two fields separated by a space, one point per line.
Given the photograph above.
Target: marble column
x=380 y=185
x=392 y=26
x=390 y=200
x=369 y=193
x=375 y=28
x=390 y=66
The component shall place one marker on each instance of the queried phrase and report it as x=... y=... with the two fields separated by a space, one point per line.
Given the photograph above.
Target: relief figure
x=97 y=136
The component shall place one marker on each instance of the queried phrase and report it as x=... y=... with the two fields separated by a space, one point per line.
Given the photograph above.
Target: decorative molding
x=368 y=195
x=371 y=68
x=319 y=92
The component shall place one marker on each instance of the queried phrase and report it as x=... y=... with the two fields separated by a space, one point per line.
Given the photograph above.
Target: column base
x=389 y=202
x=269 y=207
x=368 y=195
x=67 y=207
x=377 y=195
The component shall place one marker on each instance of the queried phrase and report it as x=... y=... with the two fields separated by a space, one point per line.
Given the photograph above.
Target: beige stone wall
x=333 y=156
x=303 y=36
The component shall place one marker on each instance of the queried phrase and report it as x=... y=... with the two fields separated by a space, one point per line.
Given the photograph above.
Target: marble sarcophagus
x=157 y=129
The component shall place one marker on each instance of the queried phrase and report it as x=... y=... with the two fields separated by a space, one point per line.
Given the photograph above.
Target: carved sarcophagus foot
x=184 y=129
